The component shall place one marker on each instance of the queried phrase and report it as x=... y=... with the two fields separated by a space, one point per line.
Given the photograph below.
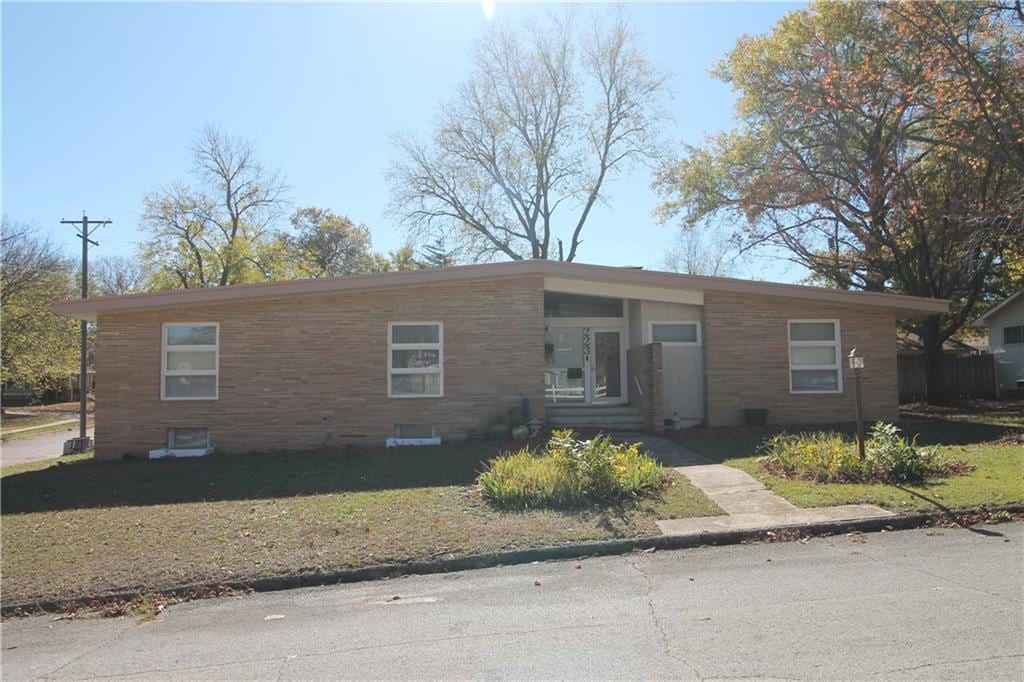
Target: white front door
x=584 y=365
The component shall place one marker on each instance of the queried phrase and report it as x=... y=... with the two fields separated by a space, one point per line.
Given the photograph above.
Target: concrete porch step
x=622 y=424
x=618 y=417
x=591 y=410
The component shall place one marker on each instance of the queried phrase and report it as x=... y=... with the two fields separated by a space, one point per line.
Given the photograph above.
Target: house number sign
x=586 y=345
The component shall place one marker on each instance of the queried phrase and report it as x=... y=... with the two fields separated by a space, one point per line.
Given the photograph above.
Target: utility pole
x=85 y=224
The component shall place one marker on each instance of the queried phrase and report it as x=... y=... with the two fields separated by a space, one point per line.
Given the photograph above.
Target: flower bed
x=830 y=458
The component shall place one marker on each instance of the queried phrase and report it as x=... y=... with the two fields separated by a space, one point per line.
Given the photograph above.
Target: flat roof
x=88 y=309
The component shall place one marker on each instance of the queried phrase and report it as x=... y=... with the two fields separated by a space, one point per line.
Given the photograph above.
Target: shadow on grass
x=90 y=484
x=947 y=512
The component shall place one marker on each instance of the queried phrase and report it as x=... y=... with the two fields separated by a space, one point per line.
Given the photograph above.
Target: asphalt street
x=923 y=604
x=35 y=448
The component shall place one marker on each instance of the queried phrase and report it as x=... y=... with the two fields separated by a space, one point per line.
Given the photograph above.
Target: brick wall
x=747 y=360
x=311 y=371
x=643 y=364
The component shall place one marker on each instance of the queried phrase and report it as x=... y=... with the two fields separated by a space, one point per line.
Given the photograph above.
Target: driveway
x=35 y=448
x=929 y=604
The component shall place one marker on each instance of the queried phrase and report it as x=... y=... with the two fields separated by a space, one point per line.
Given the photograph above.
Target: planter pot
x=498 y=433
x=521 y=432
x=755 y=416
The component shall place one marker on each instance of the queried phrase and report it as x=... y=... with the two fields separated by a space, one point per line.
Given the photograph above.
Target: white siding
x=1009 y=356
x=683 y=366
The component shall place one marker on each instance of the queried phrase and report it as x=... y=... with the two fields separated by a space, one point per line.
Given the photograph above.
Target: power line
x=84 y=224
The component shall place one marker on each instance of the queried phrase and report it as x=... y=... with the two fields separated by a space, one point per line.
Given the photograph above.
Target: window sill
x=401 y=442
x=175 y=400
x=413 y=397
x=179 y=452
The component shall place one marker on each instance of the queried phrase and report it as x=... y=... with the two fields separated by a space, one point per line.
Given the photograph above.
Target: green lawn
x=989 y=435
x=41 y=416
x=75 y=526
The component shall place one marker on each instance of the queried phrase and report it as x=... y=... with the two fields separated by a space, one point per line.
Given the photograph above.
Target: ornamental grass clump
x=831 y=458
x=570 y=472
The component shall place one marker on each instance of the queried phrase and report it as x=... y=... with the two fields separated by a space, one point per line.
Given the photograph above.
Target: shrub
x=829 y=458
x=570 y=472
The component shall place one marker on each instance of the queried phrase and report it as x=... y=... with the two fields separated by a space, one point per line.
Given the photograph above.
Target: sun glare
x=488 y=7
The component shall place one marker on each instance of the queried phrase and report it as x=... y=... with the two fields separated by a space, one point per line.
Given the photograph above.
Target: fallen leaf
x=274 y=616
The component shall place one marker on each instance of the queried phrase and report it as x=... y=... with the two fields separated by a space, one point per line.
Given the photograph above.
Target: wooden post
x=857 y=364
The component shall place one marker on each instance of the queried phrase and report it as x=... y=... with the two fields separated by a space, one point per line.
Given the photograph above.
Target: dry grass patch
x=76 y=527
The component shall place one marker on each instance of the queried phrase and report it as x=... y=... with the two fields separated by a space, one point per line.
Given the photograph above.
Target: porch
x=622 y=363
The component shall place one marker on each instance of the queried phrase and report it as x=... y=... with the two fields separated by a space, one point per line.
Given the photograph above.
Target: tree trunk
x=935 y=380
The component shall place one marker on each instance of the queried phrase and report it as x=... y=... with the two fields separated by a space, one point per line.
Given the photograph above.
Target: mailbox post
x=857 y=364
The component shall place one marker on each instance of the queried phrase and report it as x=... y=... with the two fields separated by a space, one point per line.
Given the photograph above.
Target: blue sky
x=100 y=100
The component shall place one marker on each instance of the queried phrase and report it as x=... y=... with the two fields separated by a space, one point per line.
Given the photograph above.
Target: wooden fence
x=968 y=376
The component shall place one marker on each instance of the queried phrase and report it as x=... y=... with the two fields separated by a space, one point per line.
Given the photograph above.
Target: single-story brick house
x=443 y=352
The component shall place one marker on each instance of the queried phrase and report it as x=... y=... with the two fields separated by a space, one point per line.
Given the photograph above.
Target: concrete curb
x=525 y=556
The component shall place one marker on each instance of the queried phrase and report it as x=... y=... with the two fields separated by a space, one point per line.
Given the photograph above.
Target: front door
x=564 y=374
x=583 y=365
x=606 y=367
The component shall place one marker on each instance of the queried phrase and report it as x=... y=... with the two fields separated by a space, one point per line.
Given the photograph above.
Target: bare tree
x=524 y=150
x=116 y=275
x=220 y=231
x=696 y=252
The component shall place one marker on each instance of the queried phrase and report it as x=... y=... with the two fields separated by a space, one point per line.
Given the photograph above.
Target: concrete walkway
x=748 y=504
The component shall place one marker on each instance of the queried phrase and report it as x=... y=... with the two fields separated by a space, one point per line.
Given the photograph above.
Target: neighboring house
x=908 y=343
x=1005 y=324
x=448 y=351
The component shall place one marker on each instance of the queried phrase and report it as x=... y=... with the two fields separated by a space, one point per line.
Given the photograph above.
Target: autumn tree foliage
x=880 y=146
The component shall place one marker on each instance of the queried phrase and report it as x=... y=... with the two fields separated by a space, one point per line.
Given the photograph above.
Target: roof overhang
x=685 y=288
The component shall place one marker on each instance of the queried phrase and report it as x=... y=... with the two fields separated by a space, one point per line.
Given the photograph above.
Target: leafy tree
x=399 y=260
x=524 y=149
x=852 y=158
x=37 y=348
x=221 y=230
x=328 y=245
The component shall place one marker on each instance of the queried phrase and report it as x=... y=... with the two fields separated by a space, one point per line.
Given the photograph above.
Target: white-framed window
x=677 y=333
x=815 y=356
x=188 y=368
x=188 y=437
x=415 y=360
